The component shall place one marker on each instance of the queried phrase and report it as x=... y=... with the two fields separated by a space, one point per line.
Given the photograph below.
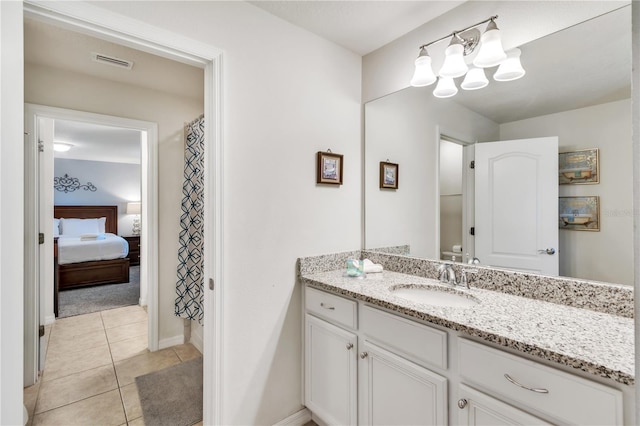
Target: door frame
x=149 y=194
x=467 y=197
x=104 y=24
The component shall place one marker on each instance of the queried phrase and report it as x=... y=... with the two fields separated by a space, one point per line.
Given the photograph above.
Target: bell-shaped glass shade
x=475 y=79
x=423 y=75
x=446 y=88
x=511 y=68
x=491 y=52
x=454 y=65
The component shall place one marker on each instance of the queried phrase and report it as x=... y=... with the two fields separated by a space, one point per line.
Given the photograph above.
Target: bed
x=110 y=268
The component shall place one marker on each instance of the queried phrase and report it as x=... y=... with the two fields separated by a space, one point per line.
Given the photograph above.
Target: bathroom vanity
x=375 y=355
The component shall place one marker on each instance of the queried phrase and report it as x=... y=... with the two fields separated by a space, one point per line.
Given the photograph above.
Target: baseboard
x=171 y=341
x=49 y=319
x=196 y=338
x=299 y=418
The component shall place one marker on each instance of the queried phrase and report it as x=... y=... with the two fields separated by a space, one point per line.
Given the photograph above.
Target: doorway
x=40 y=121
x=94 y=21
x=455 y=240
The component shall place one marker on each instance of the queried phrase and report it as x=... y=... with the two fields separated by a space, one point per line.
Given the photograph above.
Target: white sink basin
x=435 y=296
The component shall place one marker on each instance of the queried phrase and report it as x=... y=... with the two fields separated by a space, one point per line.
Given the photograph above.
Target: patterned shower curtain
x=190 y=282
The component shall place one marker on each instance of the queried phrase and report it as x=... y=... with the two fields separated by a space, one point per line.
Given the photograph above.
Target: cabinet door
x=394 y=391
x=478 y=409
x=330 y=372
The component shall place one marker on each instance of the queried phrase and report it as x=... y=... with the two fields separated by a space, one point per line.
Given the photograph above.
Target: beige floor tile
x=198 y=424
x=30 y=396
x=104 y=409
x=76 y=387
x=186 y=352
x=137 y=422
x=131 y=401
x=63 y=364
x=80 y=325
x=129 y=369
x=121 y=316
x=129 y=348
x=67 y=343
x=127 y=331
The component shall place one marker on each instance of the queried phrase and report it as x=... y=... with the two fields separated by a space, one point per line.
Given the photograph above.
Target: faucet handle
x=463 y=276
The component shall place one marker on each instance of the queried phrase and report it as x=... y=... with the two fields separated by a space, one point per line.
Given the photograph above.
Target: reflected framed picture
x=579 y=167
x=579 y=213
x=389 y=175
x=329 y=168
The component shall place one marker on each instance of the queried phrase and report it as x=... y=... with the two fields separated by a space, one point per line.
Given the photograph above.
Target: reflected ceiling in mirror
x=586 y=67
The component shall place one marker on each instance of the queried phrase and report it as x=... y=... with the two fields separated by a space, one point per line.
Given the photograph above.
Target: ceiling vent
x=110 y=60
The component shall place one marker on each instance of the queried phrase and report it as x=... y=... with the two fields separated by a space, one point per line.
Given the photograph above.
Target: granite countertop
x=598 y=343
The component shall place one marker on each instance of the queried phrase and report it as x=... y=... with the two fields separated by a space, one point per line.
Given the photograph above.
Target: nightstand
x=134 y=249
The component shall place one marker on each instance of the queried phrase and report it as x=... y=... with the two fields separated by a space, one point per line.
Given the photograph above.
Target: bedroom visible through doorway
x=97 y=165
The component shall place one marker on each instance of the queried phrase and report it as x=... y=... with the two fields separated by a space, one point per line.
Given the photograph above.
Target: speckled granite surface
x=595 y=342
x=613 y=299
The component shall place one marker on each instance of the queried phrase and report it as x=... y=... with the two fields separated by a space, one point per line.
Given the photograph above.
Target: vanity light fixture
x=463 y=43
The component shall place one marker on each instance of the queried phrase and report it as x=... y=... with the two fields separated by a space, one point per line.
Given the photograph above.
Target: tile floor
x=90 y=369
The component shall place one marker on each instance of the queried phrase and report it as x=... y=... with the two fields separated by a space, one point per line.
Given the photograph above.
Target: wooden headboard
x=90 y=212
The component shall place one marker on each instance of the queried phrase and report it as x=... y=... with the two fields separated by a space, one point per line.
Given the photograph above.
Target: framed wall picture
x=329 y=168
x=579 y=213
x=389 y=175
x=579 y=167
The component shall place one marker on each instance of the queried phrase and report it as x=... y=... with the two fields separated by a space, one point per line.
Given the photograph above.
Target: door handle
x=548 y=251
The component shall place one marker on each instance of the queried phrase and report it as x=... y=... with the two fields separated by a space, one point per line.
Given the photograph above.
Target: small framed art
x=329 y=168
x=389 y=175
x=579 y=213
x=579 y=167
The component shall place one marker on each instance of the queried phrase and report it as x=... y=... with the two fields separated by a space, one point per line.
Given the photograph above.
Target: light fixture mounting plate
x=469 y=39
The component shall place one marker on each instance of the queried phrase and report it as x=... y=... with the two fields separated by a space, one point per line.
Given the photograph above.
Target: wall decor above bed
x=70 y=184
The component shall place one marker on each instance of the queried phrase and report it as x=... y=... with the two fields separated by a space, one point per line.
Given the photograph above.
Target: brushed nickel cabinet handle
x=331 y=308
x=363 y=355
x=537 y=390
x=349 y=346
x=462 y=403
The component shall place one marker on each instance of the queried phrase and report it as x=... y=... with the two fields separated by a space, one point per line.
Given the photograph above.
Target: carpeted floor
x=101 y=297
x=173 y=396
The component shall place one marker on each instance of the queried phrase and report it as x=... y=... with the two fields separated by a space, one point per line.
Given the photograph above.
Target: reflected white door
x=516 y=200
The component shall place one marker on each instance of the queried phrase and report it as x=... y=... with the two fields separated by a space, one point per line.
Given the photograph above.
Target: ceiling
x=361 y=26
x=51 y=46
x=575 y=75
x=97 y=142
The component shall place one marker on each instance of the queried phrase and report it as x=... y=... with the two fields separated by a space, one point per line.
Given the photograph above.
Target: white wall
x=606 y=255
x=65 y=89
x=288 y=94
x=404 y=128
x=390 y=68
x=11 y=213
x=116 y=183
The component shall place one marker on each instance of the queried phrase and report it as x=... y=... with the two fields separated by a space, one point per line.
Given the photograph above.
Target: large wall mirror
x=577 y=88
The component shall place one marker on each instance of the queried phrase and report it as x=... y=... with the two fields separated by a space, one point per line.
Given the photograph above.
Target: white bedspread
x=72 y=250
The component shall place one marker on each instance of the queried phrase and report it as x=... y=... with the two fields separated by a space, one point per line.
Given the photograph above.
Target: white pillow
x=77 y=227
x=56 y=227
x=101 y=224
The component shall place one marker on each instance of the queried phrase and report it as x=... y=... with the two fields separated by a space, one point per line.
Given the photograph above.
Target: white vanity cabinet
x=534 y=387
x=330 y=358
x=479 y=409
x=374 y=374
x=395 y=391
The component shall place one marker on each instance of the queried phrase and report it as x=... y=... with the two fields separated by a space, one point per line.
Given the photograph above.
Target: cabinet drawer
x=568 y=398
x=420 y=343
x=331 y=307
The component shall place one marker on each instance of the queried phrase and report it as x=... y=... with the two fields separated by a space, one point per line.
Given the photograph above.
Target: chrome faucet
x=448 y=275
